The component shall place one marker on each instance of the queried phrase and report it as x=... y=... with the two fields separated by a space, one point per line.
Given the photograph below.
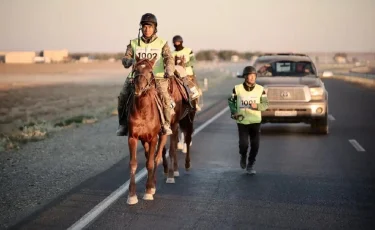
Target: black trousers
x=244 y=132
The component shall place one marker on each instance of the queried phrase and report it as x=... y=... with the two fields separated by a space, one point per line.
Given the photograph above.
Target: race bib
x=149 y=53
x=246 y=101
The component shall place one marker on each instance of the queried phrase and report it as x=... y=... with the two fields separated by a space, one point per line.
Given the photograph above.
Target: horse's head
x=143 y=75
x=179 y=60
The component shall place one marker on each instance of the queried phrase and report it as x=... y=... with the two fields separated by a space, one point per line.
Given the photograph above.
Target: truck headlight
x=316 y=91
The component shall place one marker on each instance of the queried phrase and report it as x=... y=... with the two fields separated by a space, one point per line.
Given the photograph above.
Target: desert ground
x=37 y=100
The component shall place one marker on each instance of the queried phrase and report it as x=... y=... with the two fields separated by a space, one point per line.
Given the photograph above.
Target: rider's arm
x=263 y=105
x=127 y=60
x=168 y=60
x=192 y=60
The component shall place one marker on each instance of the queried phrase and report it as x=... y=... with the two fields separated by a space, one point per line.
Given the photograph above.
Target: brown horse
x=183 y=119
x=180 y=60
x=144 y=125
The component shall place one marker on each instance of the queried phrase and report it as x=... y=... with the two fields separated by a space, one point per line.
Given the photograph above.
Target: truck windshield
x=285 y=68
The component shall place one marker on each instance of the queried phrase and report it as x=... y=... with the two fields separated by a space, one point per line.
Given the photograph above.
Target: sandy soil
x=47 y=94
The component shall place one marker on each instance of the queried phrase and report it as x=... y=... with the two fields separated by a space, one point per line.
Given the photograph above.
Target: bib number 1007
x=147 y=55
x=247 y=102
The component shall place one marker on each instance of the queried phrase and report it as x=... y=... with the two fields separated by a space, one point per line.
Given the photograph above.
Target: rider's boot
x=122 y=129
x=197 y=107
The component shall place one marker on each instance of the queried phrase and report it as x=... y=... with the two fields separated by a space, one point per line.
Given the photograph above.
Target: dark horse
x=180 y=61
x=183 y=119
x=144 y=125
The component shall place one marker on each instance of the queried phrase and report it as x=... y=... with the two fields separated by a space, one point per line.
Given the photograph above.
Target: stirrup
x=198 y=108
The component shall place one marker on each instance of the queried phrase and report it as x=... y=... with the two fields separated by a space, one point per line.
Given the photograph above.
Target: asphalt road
x=303 y=181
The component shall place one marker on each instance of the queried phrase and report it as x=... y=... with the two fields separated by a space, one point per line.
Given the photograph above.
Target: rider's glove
x=128 y=62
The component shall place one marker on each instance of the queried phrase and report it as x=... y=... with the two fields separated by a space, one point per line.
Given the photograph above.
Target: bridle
x=149 y=81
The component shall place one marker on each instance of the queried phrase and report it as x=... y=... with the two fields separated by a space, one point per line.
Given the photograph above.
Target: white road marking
x=331 y=118
x=102 y=206
x=356 y=145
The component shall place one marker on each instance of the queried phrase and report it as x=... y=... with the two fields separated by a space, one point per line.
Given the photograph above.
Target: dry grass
x=30 y=114
x=37 y=100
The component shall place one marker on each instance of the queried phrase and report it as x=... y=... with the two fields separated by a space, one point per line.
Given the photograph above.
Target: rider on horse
x=148 y=46
x=188 y=56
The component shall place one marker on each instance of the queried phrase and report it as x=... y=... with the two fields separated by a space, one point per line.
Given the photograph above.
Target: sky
x=242 y=25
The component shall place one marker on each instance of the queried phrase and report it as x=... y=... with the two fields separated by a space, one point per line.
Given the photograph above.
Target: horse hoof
x=132 y=200
x=153 y=190
x=170 y=180
x=179 y=146
x=176 y=173
x=148 y=196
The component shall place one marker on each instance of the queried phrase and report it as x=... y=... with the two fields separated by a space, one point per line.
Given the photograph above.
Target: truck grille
x=286 y=94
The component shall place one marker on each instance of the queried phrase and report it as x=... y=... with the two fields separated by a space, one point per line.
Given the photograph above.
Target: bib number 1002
x=147 y=55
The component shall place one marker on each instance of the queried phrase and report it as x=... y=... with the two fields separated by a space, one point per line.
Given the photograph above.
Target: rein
x=149 y=81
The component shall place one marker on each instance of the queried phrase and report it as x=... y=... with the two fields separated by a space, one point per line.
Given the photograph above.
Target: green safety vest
x=151 y=50
x=244 y=100
x=186 y=53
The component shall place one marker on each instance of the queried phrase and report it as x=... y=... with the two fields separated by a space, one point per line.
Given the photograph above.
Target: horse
x=183 y=119
x=145 y=125
x=180 y=60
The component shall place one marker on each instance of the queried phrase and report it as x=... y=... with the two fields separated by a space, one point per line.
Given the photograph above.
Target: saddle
x=186 y=85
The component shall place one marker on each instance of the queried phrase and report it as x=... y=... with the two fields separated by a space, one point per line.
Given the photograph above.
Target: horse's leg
x=150 y=164
x=170 y=177
x=181 y=142
x=161 y=152
x=165 y=161
x=146 y=147
x=173 y=167
x=132 y=197
x=188 y=139
x=175 y=160
x=158 y=159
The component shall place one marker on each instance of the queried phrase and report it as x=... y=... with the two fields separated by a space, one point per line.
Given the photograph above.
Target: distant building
x=19 y=57
x=55 y=55
x=2 y=56
x=235 y=58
